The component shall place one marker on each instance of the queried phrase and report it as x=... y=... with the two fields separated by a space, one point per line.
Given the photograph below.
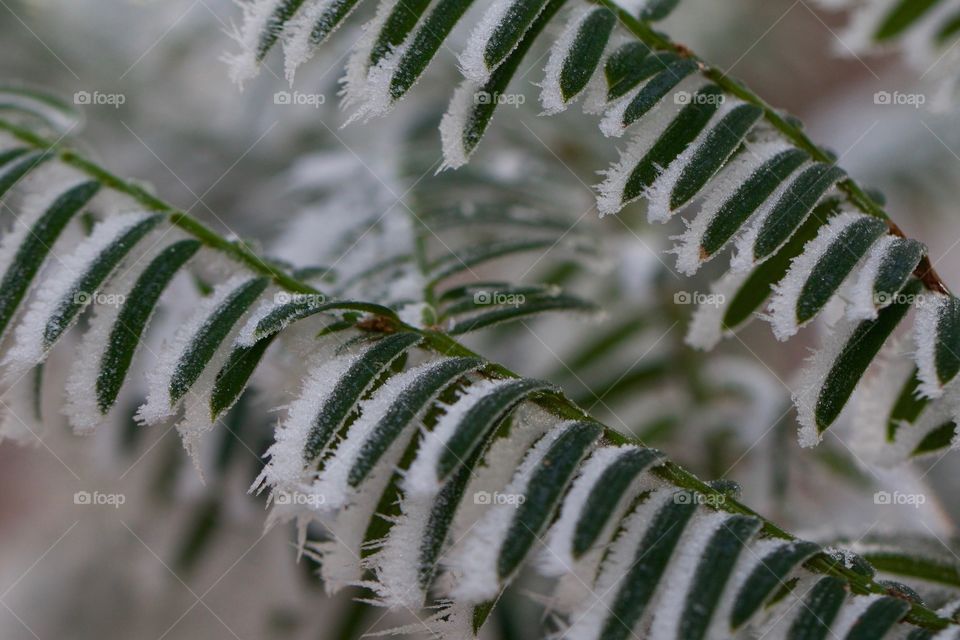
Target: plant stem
x=556 y=403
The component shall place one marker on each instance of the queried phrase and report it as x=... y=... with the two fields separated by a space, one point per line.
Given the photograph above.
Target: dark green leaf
x=351 y=386
x=607 y=493
x=630 y=65
x=898 y=263
x=713 y=571
x=97 y=272
x=878 y=619
x=208 y=338
x=407 y=407
x=648 y=566
x=276 y=23
x=757 y=287
x=544 y=490
x=659 y=86
x=681 y=132
x=586 y=51
x=16 y=163
x=519 y=18
x=947 y=354
x=330 y=19
x=767 y=577
x=36 y=246
x=425 y=44
x=300 y=307
x=748 y=197
x=401 y=21
x=793 y=207
x=820 y=607
x=723 y=140
x=133 y=318
x=904 y=14
x=482 y=110
x=232 y=378
x=535 y=305
x=478 y=423
x=849 y=246
x=860 y=350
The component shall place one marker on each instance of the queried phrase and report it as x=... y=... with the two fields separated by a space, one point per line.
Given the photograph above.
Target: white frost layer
x=587 y=619
x=333 y=484
x=786 y=293
x=850 y=612
x=862 y=303
x=670 y=599
x=357 y=73
x=339 y=556
x=925 y=338
x=551 y=96
x=247 y=337
x=398 y=562
x=19 y=402
x=750 y=558
x=706 y=326
x=81 y=398
x=287 y=469
x=720 y=190
x=421 y=478
x=742 y=259
x=41 y=188
x=297 y=44
x=811 y=379
x=610 y=196
x=472 y=63
x=450 y=622
x=877 y=397
x=557 y=558
x=159 y=404
x=28 y=349
x=453 y=124
x=611 y=125
x=475 y=560
x=935 y=414
x=659 y=193
x=256 y=16
x=596 y=91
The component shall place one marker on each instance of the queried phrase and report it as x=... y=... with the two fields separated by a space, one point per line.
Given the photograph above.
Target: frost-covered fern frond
x=927 y=32
x=437 y=475
x=800 y=234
